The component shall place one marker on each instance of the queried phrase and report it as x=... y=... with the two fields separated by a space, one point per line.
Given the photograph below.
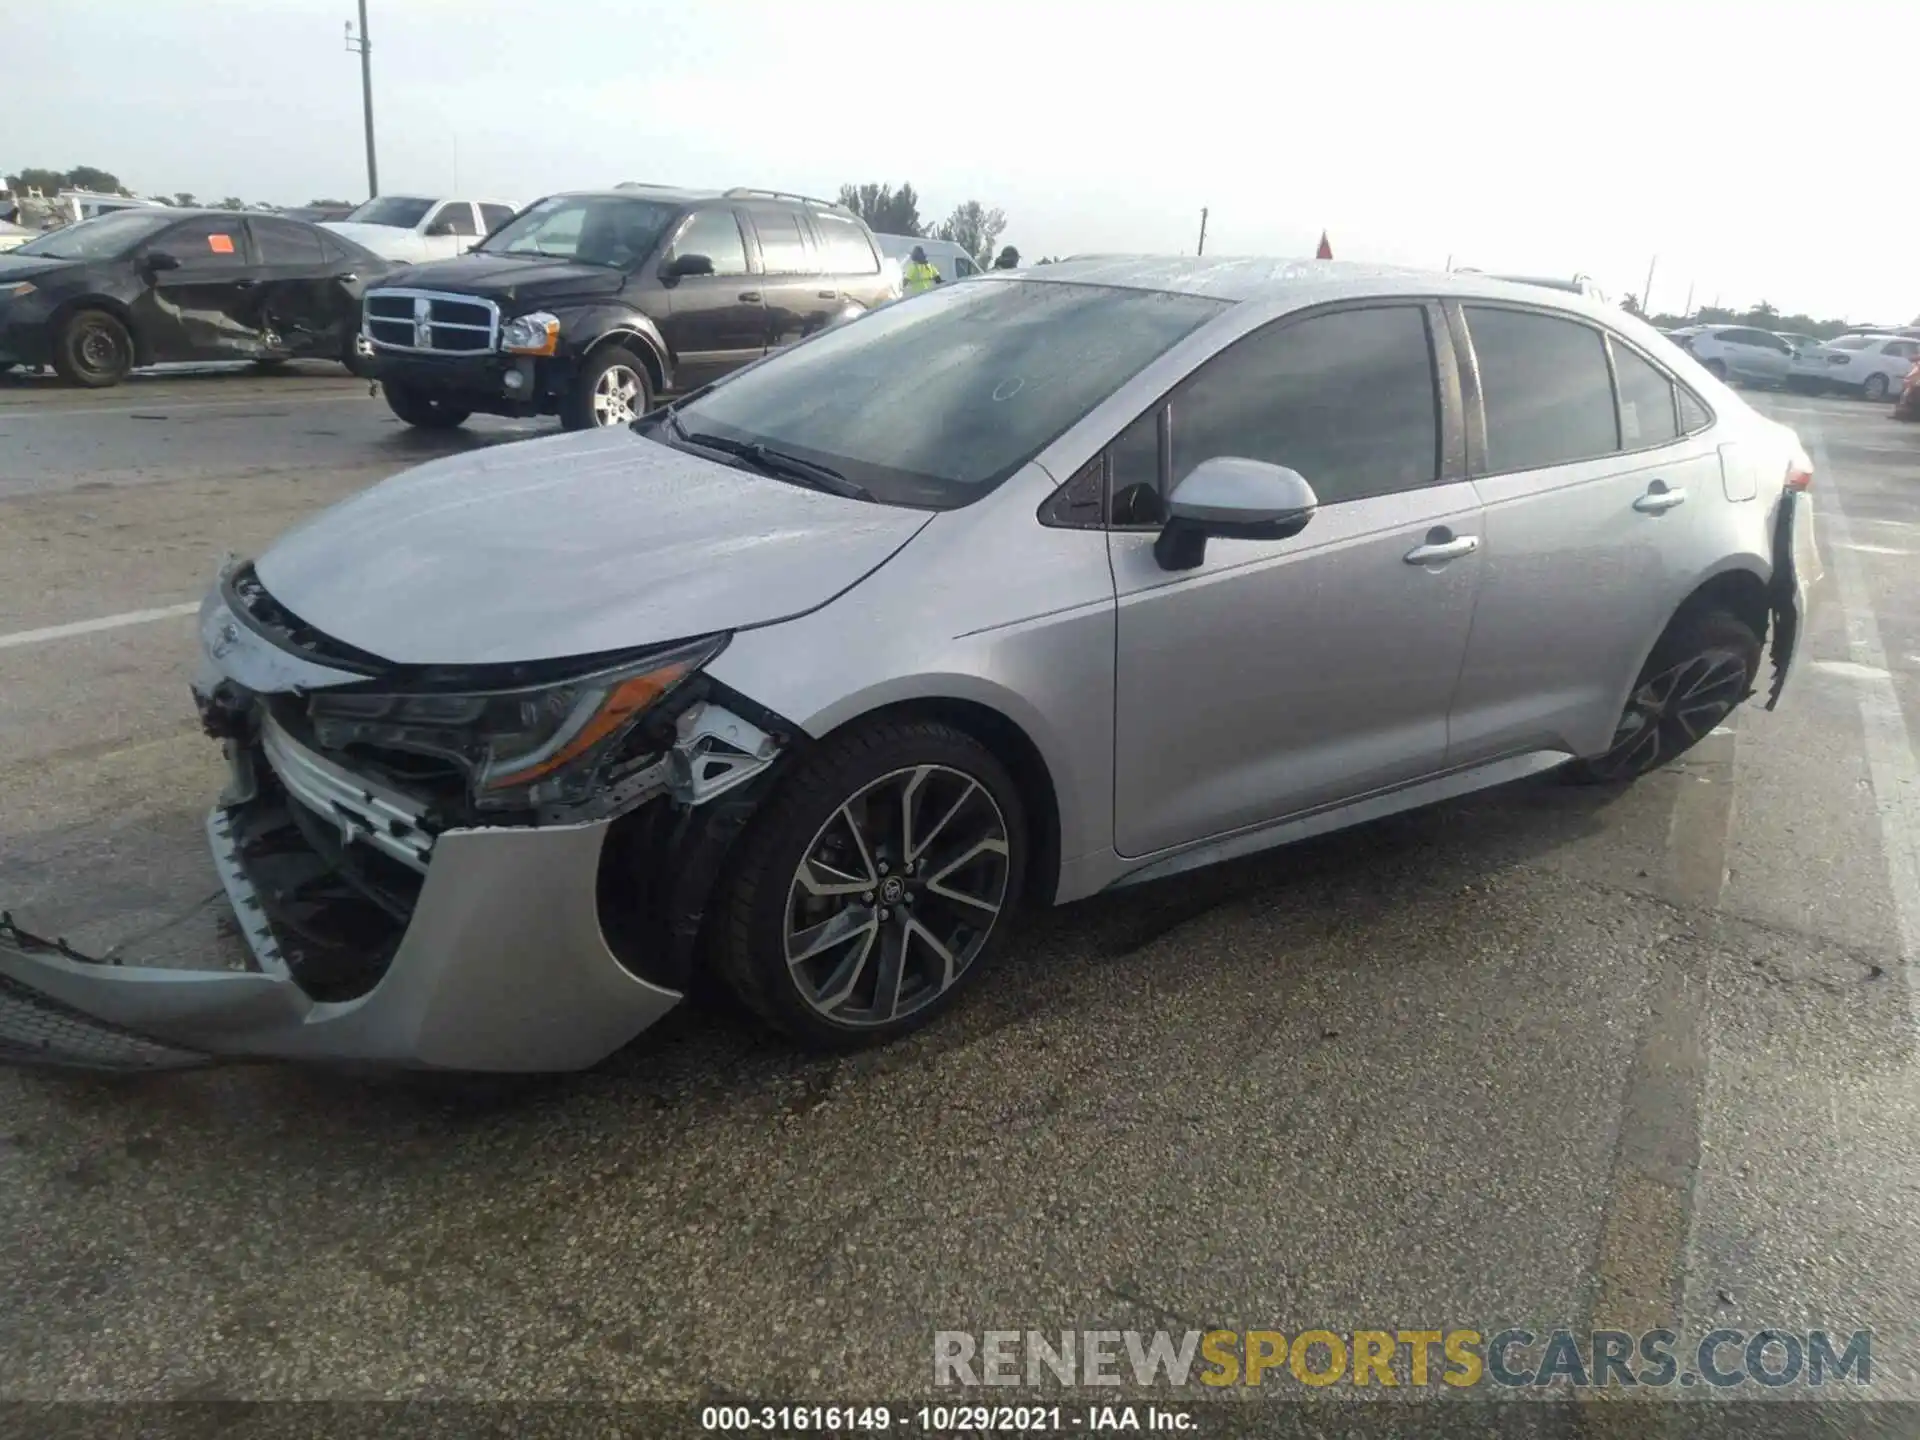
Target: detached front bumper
x=502 y=966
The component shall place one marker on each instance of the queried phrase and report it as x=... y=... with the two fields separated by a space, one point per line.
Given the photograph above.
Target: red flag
x=1325 y=252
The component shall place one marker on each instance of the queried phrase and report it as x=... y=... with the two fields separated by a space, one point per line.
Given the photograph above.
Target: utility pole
x=362 y=46
x=1689 y=310
x=1646 y=294
x=1449 y=264
x=1201 y=249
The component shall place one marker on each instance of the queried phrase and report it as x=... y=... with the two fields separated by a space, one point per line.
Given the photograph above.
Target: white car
x=13 y=236
x=1738 y=352
x=417 y=228
x=1874 y=366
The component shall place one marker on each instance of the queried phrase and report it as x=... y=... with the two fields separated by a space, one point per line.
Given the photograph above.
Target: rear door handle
x=1659 y=498
x=828 y=294
x=752 y=297
x=1437 y=550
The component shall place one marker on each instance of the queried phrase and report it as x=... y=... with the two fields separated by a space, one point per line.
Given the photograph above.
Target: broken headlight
x=533 y=745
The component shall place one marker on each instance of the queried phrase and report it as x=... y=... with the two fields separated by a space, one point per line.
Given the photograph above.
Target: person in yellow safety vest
x=919 y=275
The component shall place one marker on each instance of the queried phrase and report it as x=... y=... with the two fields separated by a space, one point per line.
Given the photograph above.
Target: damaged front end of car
x=497 y=868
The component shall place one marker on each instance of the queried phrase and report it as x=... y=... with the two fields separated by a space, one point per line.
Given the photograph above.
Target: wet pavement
x=1545 y=1057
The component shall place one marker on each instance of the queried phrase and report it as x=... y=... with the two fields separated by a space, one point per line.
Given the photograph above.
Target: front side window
x=1646 y=401
x=716 y=235
x=214 y=243
x=937 y=402
x=1544 y=381
x=783 y=249
x=616 y=231
x=1348 y=399
x=401 y=211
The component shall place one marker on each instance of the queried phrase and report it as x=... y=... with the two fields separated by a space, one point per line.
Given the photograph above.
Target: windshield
x=106 y=238
x=936 y=400
x=612 y=230
x=402 y=211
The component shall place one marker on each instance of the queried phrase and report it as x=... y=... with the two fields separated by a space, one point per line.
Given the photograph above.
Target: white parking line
x=88 y=627
x=1894 y=773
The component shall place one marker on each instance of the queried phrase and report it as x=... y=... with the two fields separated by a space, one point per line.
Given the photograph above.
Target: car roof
x=1240 y=279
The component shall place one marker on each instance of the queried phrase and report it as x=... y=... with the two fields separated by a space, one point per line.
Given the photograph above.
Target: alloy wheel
x=1674 y=710
x=896 y=895
x=614 y=394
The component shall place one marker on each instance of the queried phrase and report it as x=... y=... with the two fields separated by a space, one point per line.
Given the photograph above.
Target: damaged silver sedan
x=1011 y=593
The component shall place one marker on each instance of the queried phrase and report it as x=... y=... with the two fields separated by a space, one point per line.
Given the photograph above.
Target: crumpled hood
x=572 y=545
x=511 y=278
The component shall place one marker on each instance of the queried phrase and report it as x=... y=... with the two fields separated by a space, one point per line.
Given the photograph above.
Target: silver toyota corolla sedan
x=1008 y=594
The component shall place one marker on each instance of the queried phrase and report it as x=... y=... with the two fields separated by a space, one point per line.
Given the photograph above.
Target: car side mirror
x=159 y=260
x=683 y=265
x=440 y=227
x=1232 y=498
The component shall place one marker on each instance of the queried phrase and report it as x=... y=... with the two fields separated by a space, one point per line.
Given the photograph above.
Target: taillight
x=1800 y=475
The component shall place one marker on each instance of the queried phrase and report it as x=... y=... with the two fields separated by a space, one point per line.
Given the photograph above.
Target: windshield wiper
x=775 y=462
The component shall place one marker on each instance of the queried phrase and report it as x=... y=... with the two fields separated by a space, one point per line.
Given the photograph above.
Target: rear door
x=800 y=296
x=1598 y=513
x=209 y=307
x=300 y=301
x=851 y=261
x=718 y=322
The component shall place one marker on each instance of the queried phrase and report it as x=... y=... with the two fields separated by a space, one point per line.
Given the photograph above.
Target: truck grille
x=430 y=320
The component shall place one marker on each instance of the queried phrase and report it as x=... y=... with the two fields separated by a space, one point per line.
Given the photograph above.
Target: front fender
x=586 y=329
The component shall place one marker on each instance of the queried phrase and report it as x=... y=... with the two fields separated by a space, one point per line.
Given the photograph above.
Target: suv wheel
x=874 y=885
x=612 y=389
x=417 y=407
x=1876 y=387
x=1703 y=666
x=92 y=349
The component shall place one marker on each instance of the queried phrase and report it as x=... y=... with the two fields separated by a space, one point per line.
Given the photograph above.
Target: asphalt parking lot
x=1547 y=1057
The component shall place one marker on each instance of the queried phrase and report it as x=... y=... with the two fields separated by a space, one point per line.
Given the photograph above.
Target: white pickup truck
x=416 y=228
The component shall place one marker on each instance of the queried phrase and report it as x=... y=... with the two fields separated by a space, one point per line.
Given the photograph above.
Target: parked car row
x=1872 y=365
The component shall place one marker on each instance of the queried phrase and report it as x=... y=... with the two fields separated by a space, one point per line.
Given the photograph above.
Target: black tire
x=1876 y=388
x=763 y=895
x=428 y=412
x=272 y=365
x=92 y=349
x=620 y=372
x=1717 y=369
x=1708 y=657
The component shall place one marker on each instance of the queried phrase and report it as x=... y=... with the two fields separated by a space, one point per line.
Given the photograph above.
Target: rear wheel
x=1703 y=666
x=1717 y=369
x=875 y=883
x=417 y=407
x=611 y=389
x=92 y=349
x=1876 y=387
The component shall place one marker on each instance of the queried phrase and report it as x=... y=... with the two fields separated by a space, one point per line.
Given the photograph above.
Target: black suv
x=590 y=306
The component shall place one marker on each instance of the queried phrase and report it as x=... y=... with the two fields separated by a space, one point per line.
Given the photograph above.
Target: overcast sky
x=1761 y=151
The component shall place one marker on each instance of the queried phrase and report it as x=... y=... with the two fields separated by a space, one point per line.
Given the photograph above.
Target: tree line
x=104 y=182
x=972 y=226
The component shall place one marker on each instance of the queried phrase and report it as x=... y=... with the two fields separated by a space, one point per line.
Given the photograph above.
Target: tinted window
x=282 y=242
x=404 y=211
x=848 y=252
x=716 y=235
x=612 y=230
x=456 y=215
x=494 y=216
x=1646 y=401
x=782 y=248
x=1850 y=342
x=1903 y=348
x=1548 y=396
x=1693 y=414
x=936 y=402
x=215 y=243
x=1347 y=399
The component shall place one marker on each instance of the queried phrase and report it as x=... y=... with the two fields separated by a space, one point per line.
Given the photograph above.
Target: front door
x=209 y=306
x=718 y=322
x=1598 y=520
x=1284 y=676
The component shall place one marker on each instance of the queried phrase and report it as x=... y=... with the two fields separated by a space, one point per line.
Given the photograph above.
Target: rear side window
x=287 y=242
x=1646 y=401
x=453 y=218
x=848 y=250
x=1905 y=349
x=1347 y=398
x=1850 y=342
x=782 y=247
x=494 y=216
x=1544 y=380
x=716 y=235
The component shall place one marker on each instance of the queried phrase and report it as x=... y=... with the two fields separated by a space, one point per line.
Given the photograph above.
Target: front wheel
x=611 y=389
x=1717 y=369
x=875 y=883
x=1703 y=666
x=93 y=349
x=1876 y=387
x=417 y=407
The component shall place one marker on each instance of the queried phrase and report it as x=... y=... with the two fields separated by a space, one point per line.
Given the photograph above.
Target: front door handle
x=1659 y=498
x=752 y=297
x=828 y=294
x=1437 y=548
